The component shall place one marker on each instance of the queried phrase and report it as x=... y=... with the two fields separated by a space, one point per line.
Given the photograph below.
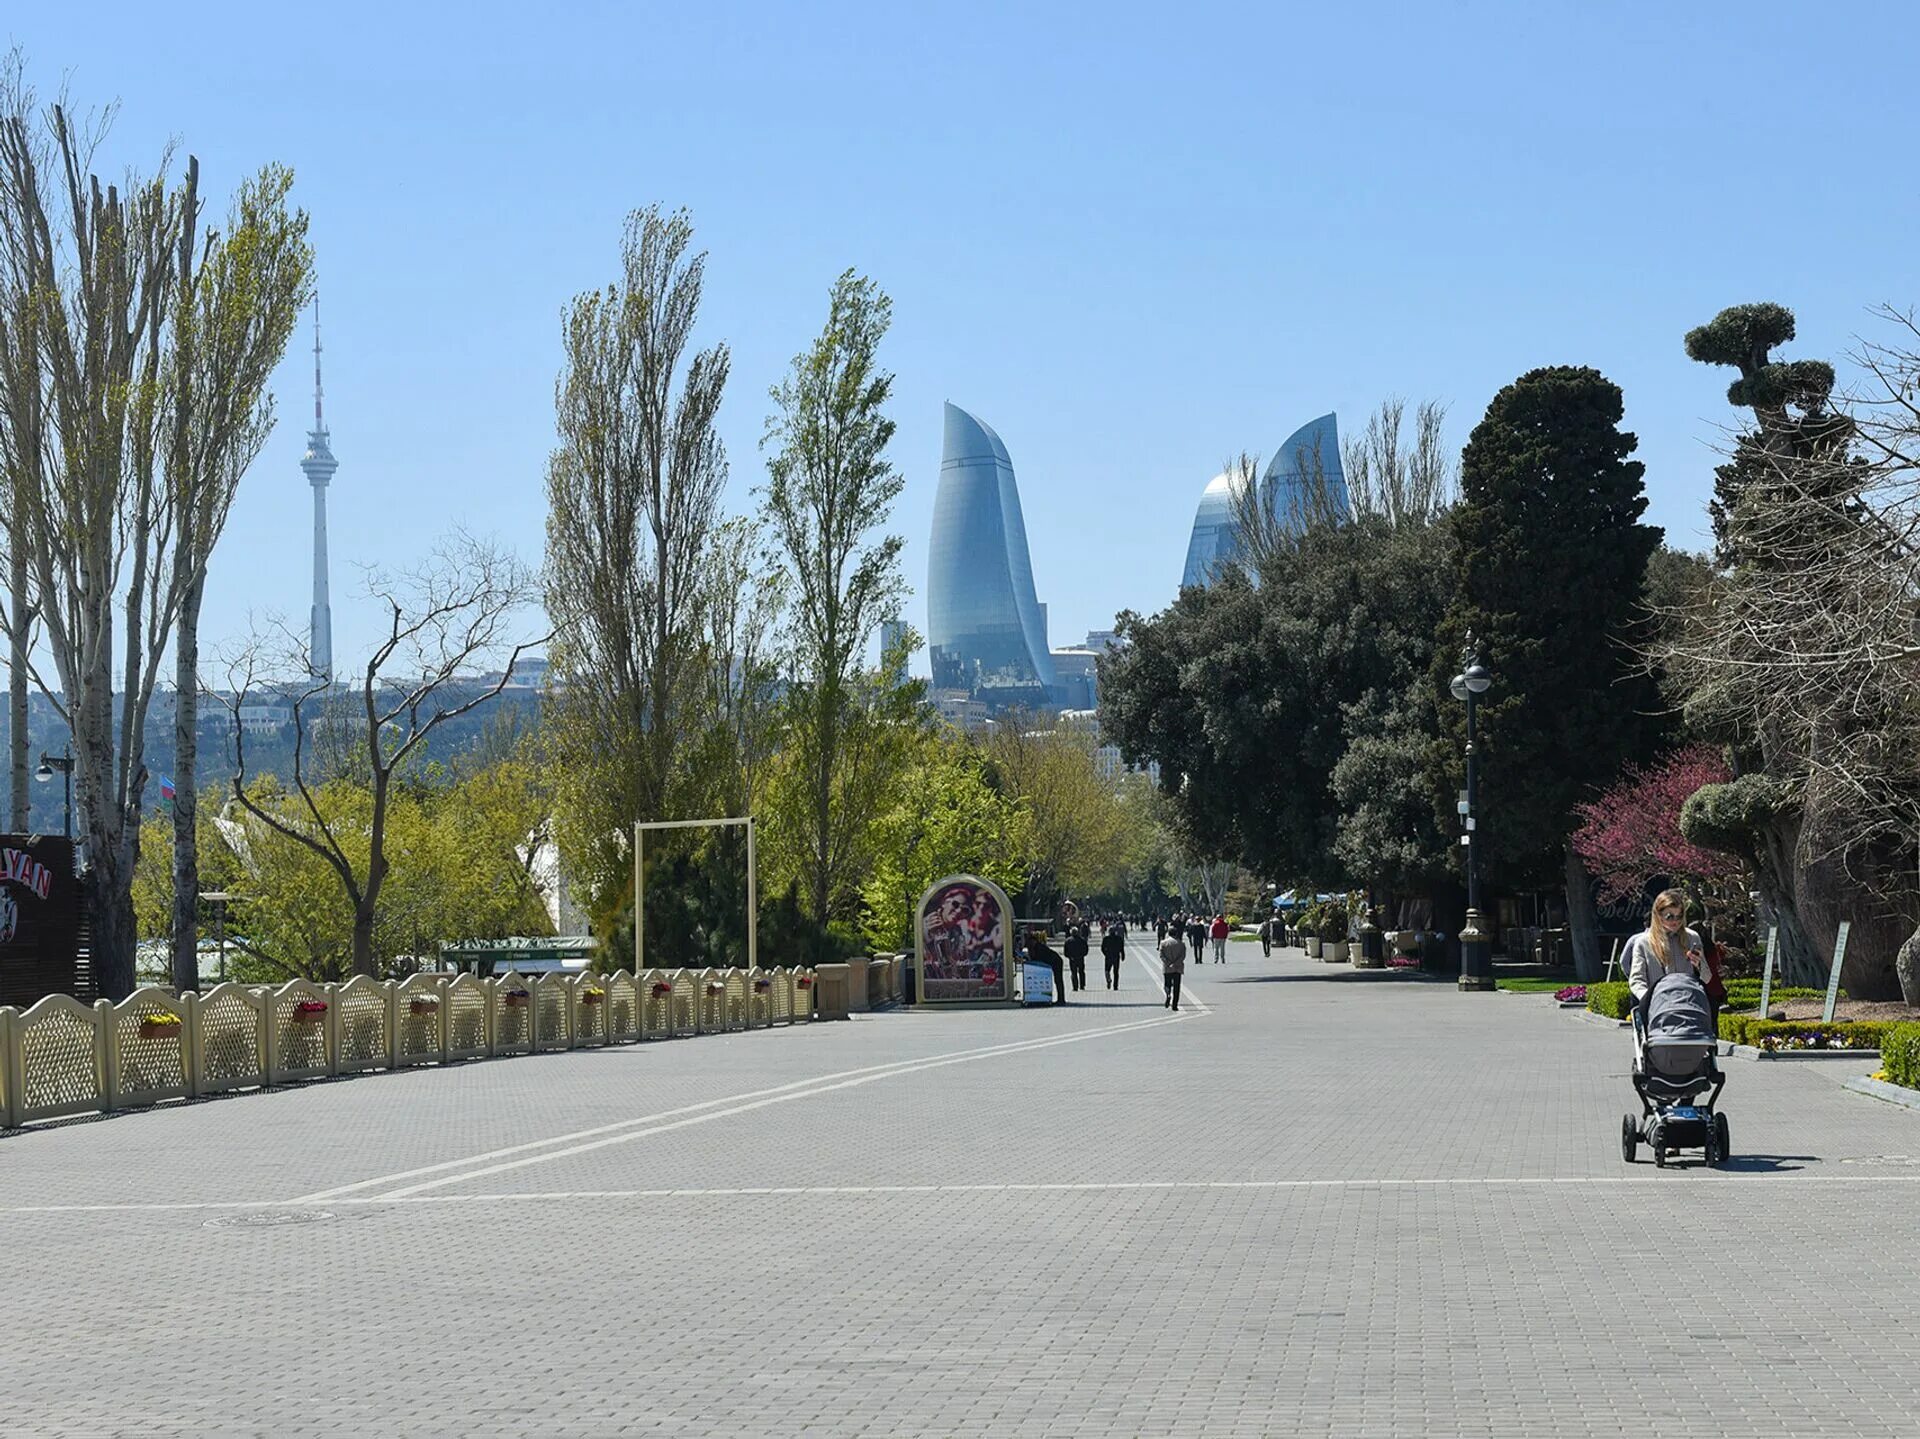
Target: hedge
x=1746 y=992
x=1900 y=1055
x=1803 y=1033
x=1615 y=1001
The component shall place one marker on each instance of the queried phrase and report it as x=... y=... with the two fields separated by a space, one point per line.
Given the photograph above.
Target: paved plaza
x=1316 y=1202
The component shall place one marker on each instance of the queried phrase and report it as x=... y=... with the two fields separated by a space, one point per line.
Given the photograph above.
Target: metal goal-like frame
x=640 y=828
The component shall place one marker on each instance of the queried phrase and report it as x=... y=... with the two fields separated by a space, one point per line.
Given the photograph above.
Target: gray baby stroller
x=1674 y=1063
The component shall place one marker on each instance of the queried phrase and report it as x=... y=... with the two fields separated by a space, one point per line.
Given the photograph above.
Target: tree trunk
x=19 y=742
x=363 y=938
x=1582 y=923
x=823 y=798
x=186 y=759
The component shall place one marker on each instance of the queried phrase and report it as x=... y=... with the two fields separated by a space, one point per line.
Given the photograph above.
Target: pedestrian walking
x=1159 y=928
x=1076 y=948
x=1218 y=933
x=1196 y=938
x=1113 y=945
x=1173 y=964
x=1266 y=937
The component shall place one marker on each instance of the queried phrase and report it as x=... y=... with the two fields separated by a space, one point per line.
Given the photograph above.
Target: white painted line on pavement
x=1752 y=1183
x=913 y=1067
x=622 y=1125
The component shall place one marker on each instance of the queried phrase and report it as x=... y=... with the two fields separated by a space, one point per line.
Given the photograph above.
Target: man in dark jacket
x=1113 y=944
x=1196 y=938
x=1040 y=952
x=1076 y=948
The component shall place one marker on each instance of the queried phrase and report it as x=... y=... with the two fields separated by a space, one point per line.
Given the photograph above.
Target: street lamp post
x=1476 y=959
x=63 y=762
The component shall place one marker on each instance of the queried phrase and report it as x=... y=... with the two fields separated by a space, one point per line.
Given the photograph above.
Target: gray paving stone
x=1334 y=1203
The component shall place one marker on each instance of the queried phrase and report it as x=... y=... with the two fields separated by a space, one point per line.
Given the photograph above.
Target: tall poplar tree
x=830 y=488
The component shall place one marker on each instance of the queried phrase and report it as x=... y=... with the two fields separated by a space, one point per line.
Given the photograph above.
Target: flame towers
x=986 y=629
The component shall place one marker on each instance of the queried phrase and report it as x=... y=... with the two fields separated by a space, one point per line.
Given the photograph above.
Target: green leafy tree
x=1549 y=569
x=948 y=818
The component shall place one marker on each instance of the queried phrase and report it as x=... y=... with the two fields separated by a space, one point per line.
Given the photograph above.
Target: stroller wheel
x=1629 y=1137
x=1721 y=1143
x=1659 y=1157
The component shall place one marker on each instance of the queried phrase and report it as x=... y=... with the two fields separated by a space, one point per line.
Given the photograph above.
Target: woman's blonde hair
x=1655 y=937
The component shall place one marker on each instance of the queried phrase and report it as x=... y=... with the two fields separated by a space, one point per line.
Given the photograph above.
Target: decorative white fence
x=62 y=1057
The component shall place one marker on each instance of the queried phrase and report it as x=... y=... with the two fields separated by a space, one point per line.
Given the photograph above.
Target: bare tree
x=88 y=267
x=239 y=294
x=1405 y=482
x=633 y=491
x=448 y=623
x=1276 y=508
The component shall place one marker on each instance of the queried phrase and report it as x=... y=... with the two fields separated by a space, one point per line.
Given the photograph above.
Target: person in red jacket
x=1219 y=932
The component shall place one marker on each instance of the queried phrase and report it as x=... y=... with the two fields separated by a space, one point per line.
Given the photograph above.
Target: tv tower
x=319 y=465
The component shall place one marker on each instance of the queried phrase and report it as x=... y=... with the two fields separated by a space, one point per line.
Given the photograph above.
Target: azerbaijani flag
x=166 y=789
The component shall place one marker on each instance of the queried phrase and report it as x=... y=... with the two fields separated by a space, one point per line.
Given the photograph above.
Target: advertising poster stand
x=963 y=943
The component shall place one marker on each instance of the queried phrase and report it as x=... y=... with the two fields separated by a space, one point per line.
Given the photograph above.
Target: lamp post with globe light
x=1476 y=959
x=62 y=763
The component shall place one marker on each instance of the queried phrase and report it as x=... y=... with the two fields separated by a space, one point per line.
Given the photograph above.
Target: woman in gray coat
x=1667 y=947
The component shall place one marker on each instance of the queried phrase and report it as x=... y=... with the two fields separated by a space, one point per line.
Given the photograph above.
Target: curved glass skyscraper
x=1310 y=451
x=986 y=629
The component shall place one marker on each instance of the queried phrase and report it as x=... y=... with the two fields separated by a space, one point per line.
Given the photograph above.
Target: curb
x=1591 y=1018
x=1880 y=1089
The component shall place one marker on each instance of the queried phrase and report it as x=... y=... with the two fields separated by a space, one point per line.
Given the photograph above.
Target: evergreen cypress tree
x=1550 y=560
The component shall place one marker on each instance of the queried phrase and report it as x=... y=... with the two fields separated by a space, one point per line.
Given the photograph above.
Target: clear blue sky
x=1133 y=238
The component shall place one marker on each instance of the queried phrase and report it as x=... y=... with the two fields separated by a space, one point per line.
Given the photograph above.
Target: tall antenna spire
x=318 y=422
x=319 y=465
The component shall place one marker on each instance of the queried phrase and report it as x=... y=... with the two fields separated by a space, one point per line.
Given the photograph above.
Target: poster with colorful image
x=961 y=937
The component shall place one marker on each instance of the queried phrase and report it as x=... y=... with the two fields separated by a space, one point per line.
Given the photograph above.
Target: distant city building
x=1076 y=682
x=961 y=710
x=1100 y=641
x=986 y=629
x=1308 y=462
x=893 y=637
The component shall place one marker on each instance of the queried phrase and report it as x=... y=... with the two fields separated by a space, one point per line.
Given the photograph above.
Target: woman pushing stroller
x=1667 y=947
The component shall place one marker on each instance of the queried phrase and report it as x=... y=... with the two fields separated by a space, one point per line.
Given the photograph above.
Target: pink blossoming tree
x=1631 y=833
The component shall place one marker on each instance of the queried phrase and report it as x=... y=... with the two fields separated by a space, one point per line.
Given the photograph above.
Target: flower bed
x=159 y=1026
x=310 y=1011
x=423 y=1005
x=1572 y=994
x=593 y=996
x=660 y=989
x=1403 y=961
x=1774 y=1035
x=515 y=998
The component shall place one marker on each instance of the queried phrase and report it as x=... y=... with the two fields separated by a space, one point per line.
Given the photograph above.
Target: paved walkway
x=1316 y=1202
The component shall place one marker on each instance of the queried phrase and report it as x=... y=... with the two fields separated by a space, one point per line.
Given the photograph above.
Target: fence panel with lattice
x=512 y=1014
x=553 y=1010
x=623 y=1007
x=151 y=1057
x=686 y=1002
x=365 y=1011
x=466 y=1001
x=300 y=1014
x=589 y=1010
x=57 y=1060
x=229 y=1039
x=420 y=1014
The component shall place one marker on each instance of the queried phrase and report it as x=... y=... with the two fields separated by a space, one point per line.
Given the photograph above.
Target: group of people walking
x=1178 y=935
x=1113 y=948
